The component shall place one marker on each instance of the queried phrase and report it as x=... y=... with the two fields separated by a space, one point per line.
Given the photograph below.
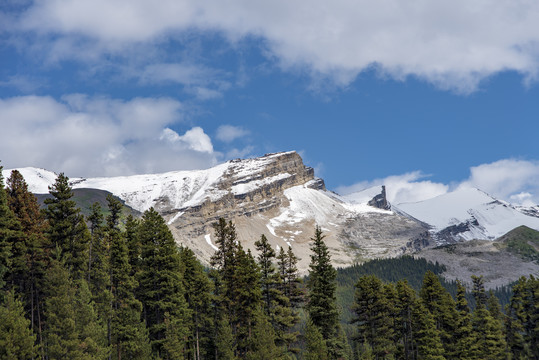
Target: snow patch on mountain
x=480 y=215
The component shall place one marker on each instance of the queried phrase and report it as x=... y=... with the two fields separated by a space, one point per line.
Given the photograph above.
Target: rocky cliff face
x=249 y=187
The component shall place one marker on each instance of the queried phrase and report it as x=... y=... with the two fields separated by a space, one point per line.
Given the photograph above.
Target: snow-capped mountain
x=277 y=195
x=469 y=213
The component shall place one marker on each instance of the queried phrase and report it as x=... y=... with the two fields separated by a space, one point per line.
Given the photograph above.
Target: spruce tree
x=198 y=294
x=246 y=299
x=92 y=332
x=67 y=228
x=489 y=341
x=16 y=337
x=10 y=235
x=277 y=306
x=129 y=336
x=463 y=332
x=262 y=344
x=225 y=344
x=441 y=305
x=61 y=335
x=160 y=284
x=373 y=316
x=427 y=340
x=321 y=306
x=29 y=254
x=405 y=329
x=291 y=282
x=316 y=348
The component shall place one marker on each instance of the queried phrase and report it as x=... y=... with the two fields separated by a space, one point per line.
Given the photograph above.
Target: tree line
x=104 y=287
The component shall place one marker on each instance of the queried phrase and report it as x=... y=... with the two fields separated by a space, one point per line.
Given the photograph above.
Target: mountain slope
x=277 y=195
x=467 y=214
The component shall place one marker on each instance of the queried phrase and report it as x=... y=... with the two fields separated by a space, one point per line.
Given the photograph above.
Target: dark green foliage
x=16 y=337
x=321 y=305
x=262 y=343
x=373 y=312
x=61 y=335
x=198 y=294
x=291 y=284
x=463 y=333
x=129 y=336
x=160 y=284
x=277 y=306
x=67 y=229
x=522 y=320
x=437 y=300
x=91 y=330
x=10 y=235
x=427 y=340
x=487 y=331
x=316 y=348
x=225 y=345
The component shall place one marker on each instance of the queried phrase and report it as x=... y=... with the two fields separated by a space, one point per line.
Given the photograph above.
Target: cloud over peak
x=85 y=136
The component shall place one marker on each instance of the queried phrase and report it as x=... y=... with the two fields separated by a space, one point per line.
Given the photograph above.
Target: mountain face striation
x=278 y=196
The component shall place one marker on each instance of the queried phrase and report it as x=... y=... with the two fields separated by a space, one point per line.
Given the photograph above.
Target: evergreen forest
x=105 y=286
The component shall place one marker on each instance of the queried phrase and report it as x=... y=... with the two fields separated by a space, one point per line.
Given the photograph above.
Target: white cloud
x=401 y=188
x=453 y=45
x=515 y=181
x=229 y=133
x=85 y=136
x=510 y=179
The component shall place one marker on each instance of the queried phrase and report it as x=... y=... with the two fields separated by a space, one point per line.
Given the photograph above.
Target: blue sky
x=422 y=96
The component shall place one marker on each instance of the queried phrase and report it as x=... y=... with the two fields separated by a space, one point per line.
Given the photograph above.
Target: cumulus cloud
x=229 y=133
x=408 y=187
x=85 y=136
x=453 y=45
x=510 y=179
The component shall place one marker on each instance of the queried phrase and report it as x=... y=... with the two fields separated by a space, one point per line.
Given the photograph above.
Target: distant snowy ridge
x=469 y=213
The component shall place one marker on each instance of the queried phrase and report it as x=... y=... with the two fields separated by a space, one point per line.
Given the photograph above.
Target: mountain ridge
x=277 y=195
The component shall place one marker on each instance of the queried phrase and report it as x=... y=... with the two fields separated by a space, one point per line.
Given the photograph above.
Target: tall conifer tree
x=67 y=228
x=160 y=286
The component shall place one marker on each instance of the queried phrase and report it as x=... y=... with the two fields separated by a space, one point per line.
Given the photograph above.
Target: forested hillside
x=108 y=287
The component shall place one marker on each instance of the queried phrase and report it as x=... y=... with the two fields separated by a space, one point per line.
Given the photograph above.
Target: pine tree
x=268 y=279
x=10 y=234
x=316 y=348
x=291 y=282
x=16 y=337
x=67 y=227
x=322 y=306
x=463 y=332
x=405 y=305
x=134 y=245
x=427 y=340
x=441 y=305
x=61 y=335
x=225 y=345
x=129 y=336
x=92 y=332
x=262 y=343
x=522 y=319
x=489 y=341
x=246 y=297
x=29 y=256
x=373 y=316
x=277 y=305
x=160 y=286
x=198 y=294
